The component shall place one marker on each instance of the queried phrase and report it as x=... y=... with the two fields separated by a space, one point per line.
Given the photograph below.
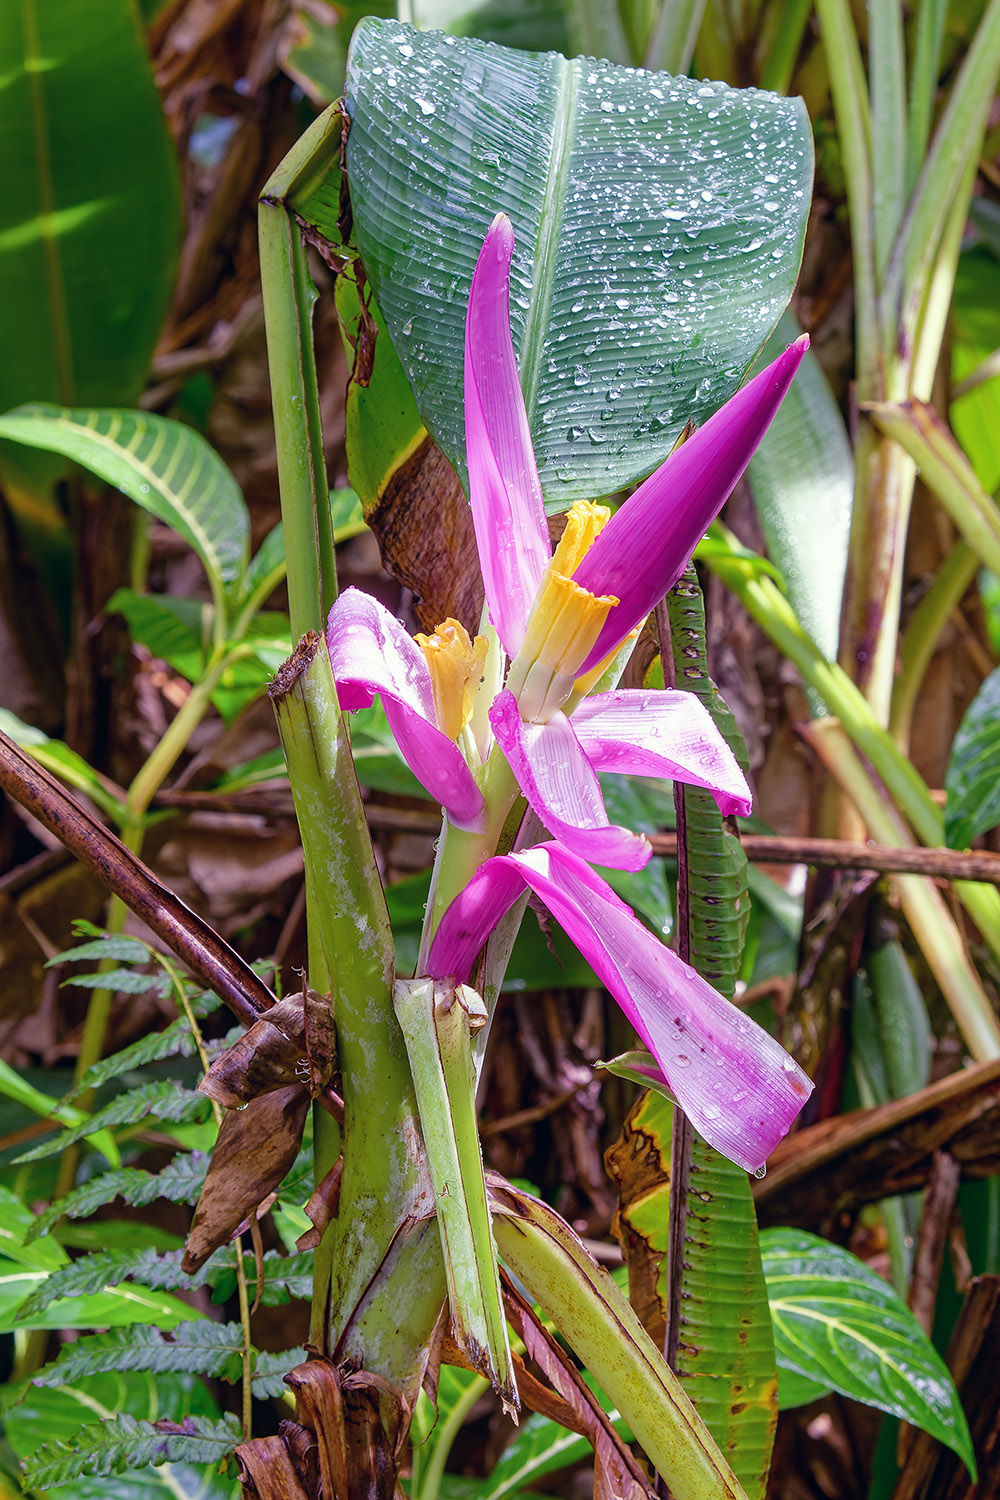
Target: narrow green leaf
x=163 y=466
x=174 y=1040
x=127 y=981
x=839 y=1324
x=270 y=1369
x=658 y=220
x=89 y=221
x=802 y=480
x=121 y=949
x=954 y=145
x=972 y=780
x=887 y=76
x=924 y=73
x=45 y=1415
x=14 y=1086
x=62 y=762
x=127 y=1306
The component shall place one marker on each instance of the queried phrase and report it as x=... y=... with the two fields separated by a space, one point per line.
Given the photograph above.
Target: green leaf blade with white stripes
x=658 y=225
x=162 y=465
x=838 y=1324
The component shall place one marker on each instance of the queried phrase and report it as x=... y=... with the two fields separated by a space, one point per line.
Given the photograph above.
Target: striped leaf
x=162 y=465
x=658 y=221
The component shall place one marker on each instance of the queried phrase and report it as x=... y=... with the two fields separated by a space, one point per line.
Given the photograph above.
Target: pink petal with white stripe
x=559 y=782
x=645 y=546
x=661 y=734
x=371 y=653
x=504 y=490
x=736 y=1084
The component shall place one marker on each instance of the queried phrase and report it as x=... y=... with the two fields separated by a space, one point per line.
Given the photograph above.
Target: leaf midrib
x=53 y=265
x=547 y=243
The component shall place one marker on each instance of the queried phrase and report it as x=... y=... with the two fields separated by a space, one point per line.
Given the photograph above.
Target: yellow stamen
x=564 y=625
x=584 y=523
x=456 y=667
x=565 y=621
x=583 y=685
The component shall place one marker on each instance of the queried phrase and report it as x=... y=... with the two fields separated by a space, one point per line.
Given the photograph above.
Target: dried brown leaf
x=255 y=1149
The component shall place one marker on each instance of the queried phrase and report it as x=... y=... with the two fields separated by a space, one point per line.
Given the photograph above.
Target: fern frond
x=285 y=1277
x=174 y=1040
x=124 y=950
x=162 y=1101
x=124 y=981
x=180 y=1181
x=123 y=1442
x=269 y=1372
x=202 y=1348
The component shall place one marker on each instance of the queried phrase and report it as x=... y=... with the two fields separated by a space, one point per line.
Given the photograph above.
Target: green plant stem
x=924 y=632
x=382 y=1185
x=289 y=297
x=850 y=102
x=460 y=852
x=95 y=1027
x=779 y=64
x=170 y=748
x=246 y=1405
x=184 y=1004
x=766 y=603
x=945 y=469
x=930 y=920
x=444 y=1437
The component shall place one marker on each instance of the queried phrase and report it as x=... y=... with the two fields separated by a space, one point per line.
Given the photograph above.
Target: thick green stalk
x=930 y=920
x=945 y=469
x=289 y=296
x=384 y=1187
x=923 y=633
x=887 y=72
x=713 y=1263
x=438 y=1023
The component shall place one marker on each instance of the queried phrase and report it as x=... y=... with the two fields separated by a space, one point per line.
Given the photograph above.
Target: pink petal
x=736 y=1084
x=559 y=783
x=504 y=491
x=371 y=653
x=645 y=546
x=661 y=734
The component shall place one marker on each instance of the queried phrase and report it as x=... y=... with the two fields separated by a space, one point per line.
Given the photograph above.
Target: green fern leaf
x=122 y=949
x=161 y=1101
x=286 y=1277
x=123 y=1442
x=180 y=1181
x=270 y=1370
x=202 y=1348
x=174 y=1040
x=121 y=981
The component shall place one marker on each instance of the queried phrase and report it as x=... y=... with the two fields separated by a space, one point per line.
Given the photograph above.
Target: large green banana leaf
x=89 y=214
x=659 y=226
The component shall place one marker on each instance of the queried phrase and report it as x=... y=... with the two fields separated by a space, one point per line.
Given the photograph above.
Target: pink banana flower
x=559 y=617
x=737 y=1085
